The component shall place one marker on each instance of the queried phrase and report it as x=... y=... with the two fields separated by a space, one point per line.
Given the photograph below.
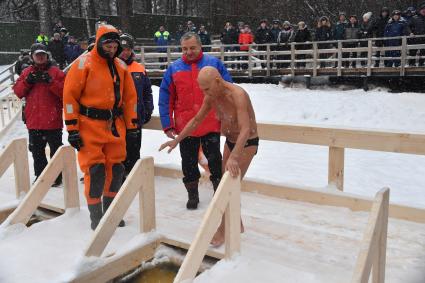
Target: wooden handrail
x=16 y=153
x=372 y=255
x=226 y=200
x=63 y=161
x=140 y=180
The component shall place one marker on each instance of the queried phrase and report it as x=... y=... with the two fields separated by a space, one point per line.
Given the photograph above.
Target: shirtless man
x=238 y=125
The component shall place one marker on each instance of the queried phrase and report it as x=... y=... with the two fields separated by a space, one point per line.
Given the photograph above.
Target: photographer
x=41 y=84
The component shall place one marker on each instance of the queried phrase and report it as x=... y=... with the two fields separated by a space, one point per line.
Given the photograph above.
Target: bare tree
x=85 y=11
x=125 y=10
x=113 y=7
x=44 y=15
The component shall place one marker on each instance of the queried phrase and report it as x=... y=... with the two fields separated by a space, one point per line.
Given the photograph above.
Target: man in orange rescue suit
x=100 y=106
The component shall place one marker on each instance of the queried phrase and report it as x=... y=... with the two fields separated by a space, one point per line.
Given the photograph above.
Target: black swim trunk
x=250 y=142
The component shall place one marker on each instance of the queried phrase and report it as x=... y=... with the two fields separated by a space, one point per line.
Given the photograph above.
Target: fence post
x=142 y=55
x=293 y=59
x=12 y=74
x=250 y=61
x=168 y=57
x=21 y=167
x=403 y=55
x=69 y=172
x=147 y=197
x=314 y=59
x=268 y=60
x=222 y=53
x=378 y=265
x=232 y=222
x=339 y=71
x=369 y=57
x=336 y=167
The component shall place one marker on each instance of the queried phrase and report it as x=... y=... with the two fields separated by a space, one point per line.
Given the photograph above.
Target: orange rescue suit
x=89 y=83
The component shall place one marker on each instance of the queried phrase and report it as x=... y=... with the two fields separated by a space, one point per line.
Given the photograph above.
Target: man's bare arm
x=191 y=125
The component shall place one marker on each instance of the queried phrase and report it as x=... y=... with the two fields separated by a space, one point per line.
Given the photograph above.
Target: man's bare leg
x=244 y=162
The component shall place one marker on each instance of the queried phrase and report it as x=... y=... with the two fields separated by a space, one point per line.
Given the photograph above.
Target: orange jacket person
x=100 y=109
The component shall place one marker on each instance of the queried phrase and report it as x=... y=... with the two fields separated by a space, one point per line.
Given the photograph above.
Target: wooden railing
x=63 y=161
x=372 y=256
x=226 y=200
x=337 y=139
x=10 y=105
x=140 y=180
x=320 y=58
x=16 y=153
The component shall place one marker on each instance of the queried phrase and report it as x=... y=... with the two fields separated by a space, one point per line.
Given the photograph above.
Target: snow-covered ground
x=321 y=243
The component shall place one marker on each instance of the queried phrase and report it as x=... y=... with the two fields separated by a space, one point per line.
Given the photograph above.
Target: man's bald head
x=209 y=79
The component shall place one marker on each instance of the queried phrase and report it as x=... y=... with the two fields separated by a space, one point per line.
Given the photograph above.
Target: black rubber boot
x=106 y=203
x=215 y=184
x=95 y=214
x=117 y=177
x=192 y=191
x=97 y=182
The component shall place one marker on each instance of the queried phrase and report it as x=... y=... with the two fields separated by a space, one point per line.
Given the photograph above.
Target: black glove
x=133 y=133
x=45 y=77
x=31 y=78
x=75 y=140
x=147 y=118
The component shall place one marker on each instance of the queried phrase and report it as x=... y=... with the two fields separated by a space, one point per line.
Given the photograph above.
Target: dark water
x=160 y=274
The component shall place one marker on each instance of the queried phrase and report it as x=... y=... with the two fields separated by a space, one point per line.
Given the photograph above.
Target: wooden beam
x=71 y=193
x=186 y=246
x=34 y=197
x=370 y=247
x=21 y=167
x=209 y=224
x=316 y=196
x=233 y=220
x=147 y=197
x=119 y=264
x=336 y=167
x=355 y=138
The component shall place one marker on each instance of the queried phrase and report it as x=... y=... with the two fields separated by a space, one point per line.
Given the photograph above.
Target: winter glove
x=133 y=133
x=75 y=140
x=45 y=77
x=32 y=78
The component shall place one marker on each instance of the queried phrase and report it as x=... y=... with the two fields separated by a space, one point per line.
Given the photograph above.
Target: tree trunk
x=113 y=7
x=85 y=11
x=148 y=6
x=124 y=13
x=44 y=16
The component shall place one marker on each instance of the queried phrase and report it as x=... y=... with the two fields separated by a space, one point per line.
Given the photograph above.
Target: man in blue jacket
x=397 y=26
x=180 y=98
x=162 y=39
x=144 y=101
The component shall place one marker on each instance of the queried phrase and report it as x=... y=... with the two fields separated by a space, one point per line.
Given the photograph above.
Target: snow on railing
x=140 y=180
x=226 y=200
x=63 y=161
x=372 y=255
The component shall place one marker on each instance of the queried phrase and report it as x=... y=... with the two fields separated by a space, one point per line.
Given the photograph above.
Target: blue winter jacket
x=395 y=28
x=162 y=39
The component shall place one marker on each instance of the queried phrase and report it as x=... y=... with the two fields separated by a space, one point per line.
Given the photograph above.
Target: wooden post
x=21 y=167
x=293 y=59
x=2 y=113
x=250 y=61
x=222 y=53
x=339 y=70
x=378 y=269
x=12 y=74
x=336 y=167
x=369 y=57
x=209 y=224
x=403 y=53
x=9 y=111
x=268 y=60
x=142 y=55
x=233 y=222
x=147 y=197
x=314 y=59
x=168 y=56
x=71 y=194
